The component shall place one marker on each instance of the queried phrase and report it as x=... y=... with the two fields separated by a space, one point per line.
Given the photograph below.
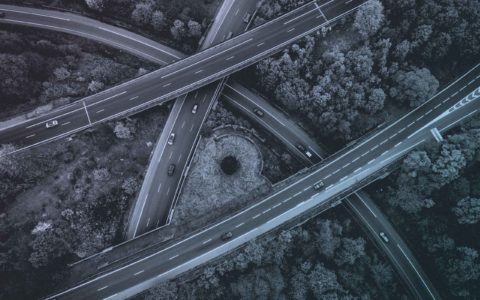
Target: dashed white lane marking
x=256 y=216
x=204 y=242
x=165 y=85
x=238 y=225
x=173 y=257
x=327 y=176
x=276 y=205
x=102 y=288
x=329 y=187
x=159 y=188
x=262 y=43
x=291 y=29
x=183 y=124
x=357 y=170
x=198 y=72
x=231 y=57
x=384 y=153
x=148 y=222
x=133 y=98
x=30 y=136
x=139 y=272
x=66 y=123
x=343 y=178
x=267 y=210
x=397 y=144
x=370 y=162
x=101 y=110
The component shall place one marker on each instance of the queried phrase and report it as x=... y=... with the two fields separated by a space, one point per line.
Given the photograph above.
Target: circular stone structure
x=229 y=165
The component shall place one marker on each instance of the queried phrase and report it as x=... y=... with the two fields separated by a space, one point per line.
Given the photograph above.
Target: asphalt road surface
x=339 y=172
x=154 y=206
x=180 y=77
x=359 y=203
x=395 y=249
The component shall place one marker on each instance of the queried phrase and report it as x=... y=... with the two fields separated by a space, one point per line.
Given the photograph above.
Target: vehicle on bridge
x=194 y=109
x=258 y=112
x=226 y=236
x=51 y=123
x=171 y=169
x=319 y=185
x=304 y=150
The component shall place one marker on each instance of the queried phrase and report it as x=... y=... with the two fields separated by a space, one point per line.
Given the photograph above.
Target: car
x=171 y=138
x=171 y=169
x=308 y=154
x=227 y=236
x=229 y=35
x=319 y=185
x=300 y=147
x=258 y=112
x=51 y=123
x=246 y=17
x=384 y=237
x=194 y=109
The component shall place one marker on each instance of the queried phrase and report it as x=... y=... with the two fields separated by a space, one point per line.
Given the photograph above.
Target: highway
x=359 y=203
x=91 y=29
x=340 y=172
x=159 y=191
x=180 y=77
x=395 y=249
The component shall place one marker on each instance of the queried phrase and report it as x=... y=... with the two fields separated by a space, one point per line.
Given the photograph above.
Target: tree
x=351 y=250
x=121 y=131
x=142 y=14
x=321 y=281
x=97 y=5
x=464 y=266
x=467 y=210
x=158 y=20
x=194 y=28
x=414 y=87
x=178 y=30
x=369 y=18
x=449 y=164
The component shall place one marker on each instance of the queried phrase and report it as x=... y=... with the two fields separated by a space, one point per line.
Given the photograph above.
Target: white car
x=384 y=237
x=51 y=123
x=194 y=109
x=171 y=138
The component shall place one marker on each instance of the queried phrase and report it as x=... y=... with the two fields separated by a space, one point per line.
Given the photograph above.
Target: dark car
x=258 y=112
x=318 y=185
x=227 y=236
x=171 y=169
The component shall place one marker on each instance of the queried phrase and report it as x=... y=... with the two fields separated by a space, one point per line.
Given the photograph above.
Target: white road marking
x=204 y=242
x=165 y=85
x=133 y=98
x=327 y=176
x=66 y=123
x=101 y=110
x=238 y=225
x=371 y=161
x=413 y=266
x=262 y=43
x=230 y=57
x=173 y=257
x=256 y=216
x=384 y=153
x=148 y=222
x=198 y=72
x=343 y=178
x=357 y=170
x=329 y=187
x=265 y=211
x=183 y=124
x=179 y=158
x=297 y=194
x=397 y=144
x=139 y=272
x=30 y=136
x=102 y=288
x=297 y=17
x=276 y=205
x=345 y=166
x=207 y=58
x=86 y=111
x=168 y=190
x=159 y=188
x=320 y=11
x=109 y=297
x=291 y=29
x=170 y=156
x=191 y=128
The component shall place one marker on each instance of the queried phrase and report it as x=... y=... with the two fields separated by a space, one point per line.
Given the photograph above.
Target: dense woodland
x=325 y=258
x=387 y=58
x=69 y=199
x=434 y=198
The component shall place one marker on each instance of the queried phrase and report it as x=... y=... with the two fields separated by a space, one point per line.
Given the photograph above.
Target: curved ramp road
x=340 y=172
x=182 y=76
x=91 y=29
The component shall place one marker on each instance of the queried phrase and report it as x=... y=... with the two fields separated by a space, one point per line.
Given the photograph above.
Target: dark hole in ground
x=229 y=165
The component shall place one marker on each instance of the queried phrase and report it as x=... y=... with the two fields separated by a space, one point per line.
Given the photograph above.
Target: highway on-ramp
x=340 y=173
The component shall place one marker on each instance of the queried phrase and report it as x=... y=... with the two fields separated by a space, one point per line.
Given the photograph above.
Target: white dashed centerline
x=139 y=272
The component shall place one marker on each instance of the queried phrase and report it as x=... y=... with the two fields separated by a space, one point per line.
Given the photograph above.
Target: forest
x=382 y=61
